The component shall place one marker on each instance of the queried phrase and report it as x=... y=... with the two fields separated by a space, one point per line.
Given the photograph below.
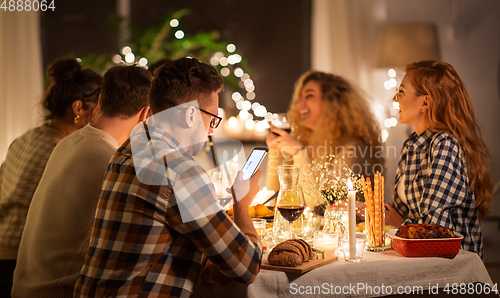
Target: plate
x=416 y=248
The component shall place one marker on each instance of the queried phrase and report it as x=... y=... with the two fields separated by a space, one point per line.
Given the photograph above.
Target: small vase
x=333 y=221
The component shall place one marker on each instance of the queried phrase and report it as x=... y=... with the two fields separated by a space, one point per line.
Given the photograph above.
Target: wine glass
x=282 y=122
x=220 y=188
x=291 y=202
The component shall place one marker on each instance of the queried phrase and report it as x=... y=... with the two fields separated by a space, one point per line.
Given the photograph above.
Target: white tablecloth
x=378 y=274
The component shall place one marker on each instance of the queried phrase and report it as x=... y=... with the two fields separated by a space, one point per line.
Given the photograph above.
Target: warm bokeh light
x=117 y=58
x=392 y=73
x=238 y=72
x=387 y=123
x=233 y=122
x=239 y=105
x=130 y=58
x=225 y=71
x=255 y=106
x=250 y=95
x=179 y=34
x=214 y=61
x=231 y=48
x=394 y=121
x=393 y=82
x=384 y=134
x=223 y=61
x=249 y=124
x=243 y=114
x=245 y=77
x=126 y=50
x=387 y=85
x=236 y=96
x=395 y=104
x=174 y=23
x=246 y=105
x=143 y=61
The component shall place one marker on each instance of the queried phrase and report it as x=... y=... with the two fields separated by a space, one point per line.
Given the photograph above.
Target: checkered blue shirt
x=437 y=186
x=140 y=244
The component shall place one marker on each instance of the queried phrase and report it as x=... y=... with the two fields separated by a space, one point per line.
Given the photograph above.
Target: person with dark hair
x=70 y=99
x=442 y=176
x=158 y=222
x=62 y=211
x=152 y=67
x=329 y=117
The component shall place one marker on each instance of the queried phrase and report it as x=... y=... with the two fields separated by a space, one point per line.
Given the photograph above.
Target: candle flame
x=349 y=184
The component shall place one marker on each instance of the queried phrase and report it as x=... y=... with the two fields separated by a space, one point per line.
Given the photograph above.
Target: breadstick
x=383 y=210
x=370 y=206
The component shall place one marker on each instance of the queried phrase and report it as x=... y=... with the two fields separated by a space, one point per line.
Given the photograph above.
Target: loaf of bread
x=424 y=231
x=290 y=253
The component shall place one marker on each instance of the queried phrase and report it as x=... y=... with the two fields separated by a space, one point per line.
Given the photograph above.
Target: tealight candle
x=326 y=241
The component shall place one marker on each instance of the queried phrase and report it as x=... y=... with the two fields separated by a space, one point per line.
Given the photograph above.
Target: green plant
x=159 y=42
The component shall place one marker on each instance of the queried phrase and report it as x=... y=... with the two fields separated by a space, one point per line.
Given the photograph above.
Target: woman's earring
x=77 y=118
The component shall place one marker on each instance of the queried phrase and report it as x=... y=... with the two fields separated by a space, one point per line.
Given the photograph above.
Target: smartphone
x=253 y=161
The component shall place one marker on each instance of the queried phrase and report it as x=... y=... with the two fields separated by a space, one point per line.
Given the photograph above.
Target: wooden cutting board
x=302 y=268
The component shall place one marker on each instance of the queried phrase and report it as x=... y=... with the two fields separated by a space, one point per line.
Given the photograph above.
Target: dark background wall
x=273 y=36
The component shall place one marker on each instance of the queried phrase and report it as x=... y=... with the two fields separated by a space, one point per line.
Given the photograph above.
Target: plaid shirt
x=140 y=244
x=437 y=187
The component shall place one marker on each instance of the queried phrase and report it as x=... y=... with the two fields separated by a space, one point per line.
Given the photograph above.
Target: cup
x=375 y=228
x=260 y=226
x=360 y=247
x=326 y=241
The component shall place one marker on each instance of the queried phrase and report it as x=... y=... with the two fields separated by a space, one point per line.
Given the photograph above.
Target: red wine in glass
x=291 y=212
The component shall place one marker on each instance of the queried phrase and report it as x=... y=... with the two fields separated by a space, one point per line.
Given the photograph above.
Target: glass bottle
x=290 y=190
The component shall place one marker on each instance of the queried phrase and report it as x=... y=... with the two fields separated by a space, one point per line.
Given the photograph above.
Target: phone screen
x=253 y=162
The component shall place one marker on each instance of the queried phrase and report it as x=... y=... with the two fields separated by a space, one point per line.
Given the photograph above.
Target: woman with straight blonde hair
x=442 y=177
x=328 y=116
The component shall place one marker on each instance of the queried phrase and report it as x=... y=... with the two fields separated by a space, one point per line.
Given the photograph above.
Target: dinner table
x=378 y=274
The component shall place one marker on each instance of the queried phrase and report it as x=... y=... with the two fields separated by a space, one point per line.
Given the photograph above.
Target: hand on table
x=392 y=217
x=284 y=143
x=211 y=276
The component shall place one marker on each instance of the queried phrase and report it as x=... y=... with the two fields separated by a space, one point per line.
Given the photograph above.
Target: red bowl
x=415 y=248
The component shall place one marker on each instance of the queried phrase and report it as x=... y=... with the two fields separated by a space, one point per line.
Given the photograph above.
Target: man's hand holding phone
x=244 y=191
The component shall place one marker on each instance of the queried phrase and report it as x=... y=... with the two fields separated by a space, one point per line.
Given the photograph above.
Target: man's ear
x=99 y=101
x=143 y=114
x=190 y=116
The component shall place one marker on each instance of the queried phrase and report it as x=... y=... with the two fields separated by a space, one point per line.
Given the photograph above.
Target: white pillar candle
x=351 y=195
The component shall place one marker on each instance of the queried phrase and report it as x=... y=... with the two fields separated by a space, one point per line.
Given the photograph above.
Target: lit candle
x=351 y=196
x=327 y=243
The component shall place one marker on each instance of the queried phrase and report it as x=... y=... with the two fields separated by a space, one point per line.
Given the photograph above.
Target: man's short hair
x=125 y=91
x=183 y=80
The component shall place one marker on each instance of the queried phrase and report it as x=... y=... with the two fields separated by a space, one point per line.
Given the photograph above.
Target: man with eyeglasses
x=158 y=223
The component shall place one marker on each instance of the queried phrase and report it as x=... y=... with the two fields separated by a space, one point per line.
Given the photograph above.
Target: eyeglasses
x=214 y=123
x=400 y=91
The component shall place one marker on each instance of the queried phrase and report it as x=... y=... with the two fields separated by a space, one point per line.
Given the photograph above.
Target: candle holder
x=360 y=247
x=326 y=241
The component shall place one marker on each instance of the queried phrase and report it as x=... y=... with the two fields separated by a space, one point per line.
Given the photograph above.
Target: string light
x=174 y=23
x=179 y=34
